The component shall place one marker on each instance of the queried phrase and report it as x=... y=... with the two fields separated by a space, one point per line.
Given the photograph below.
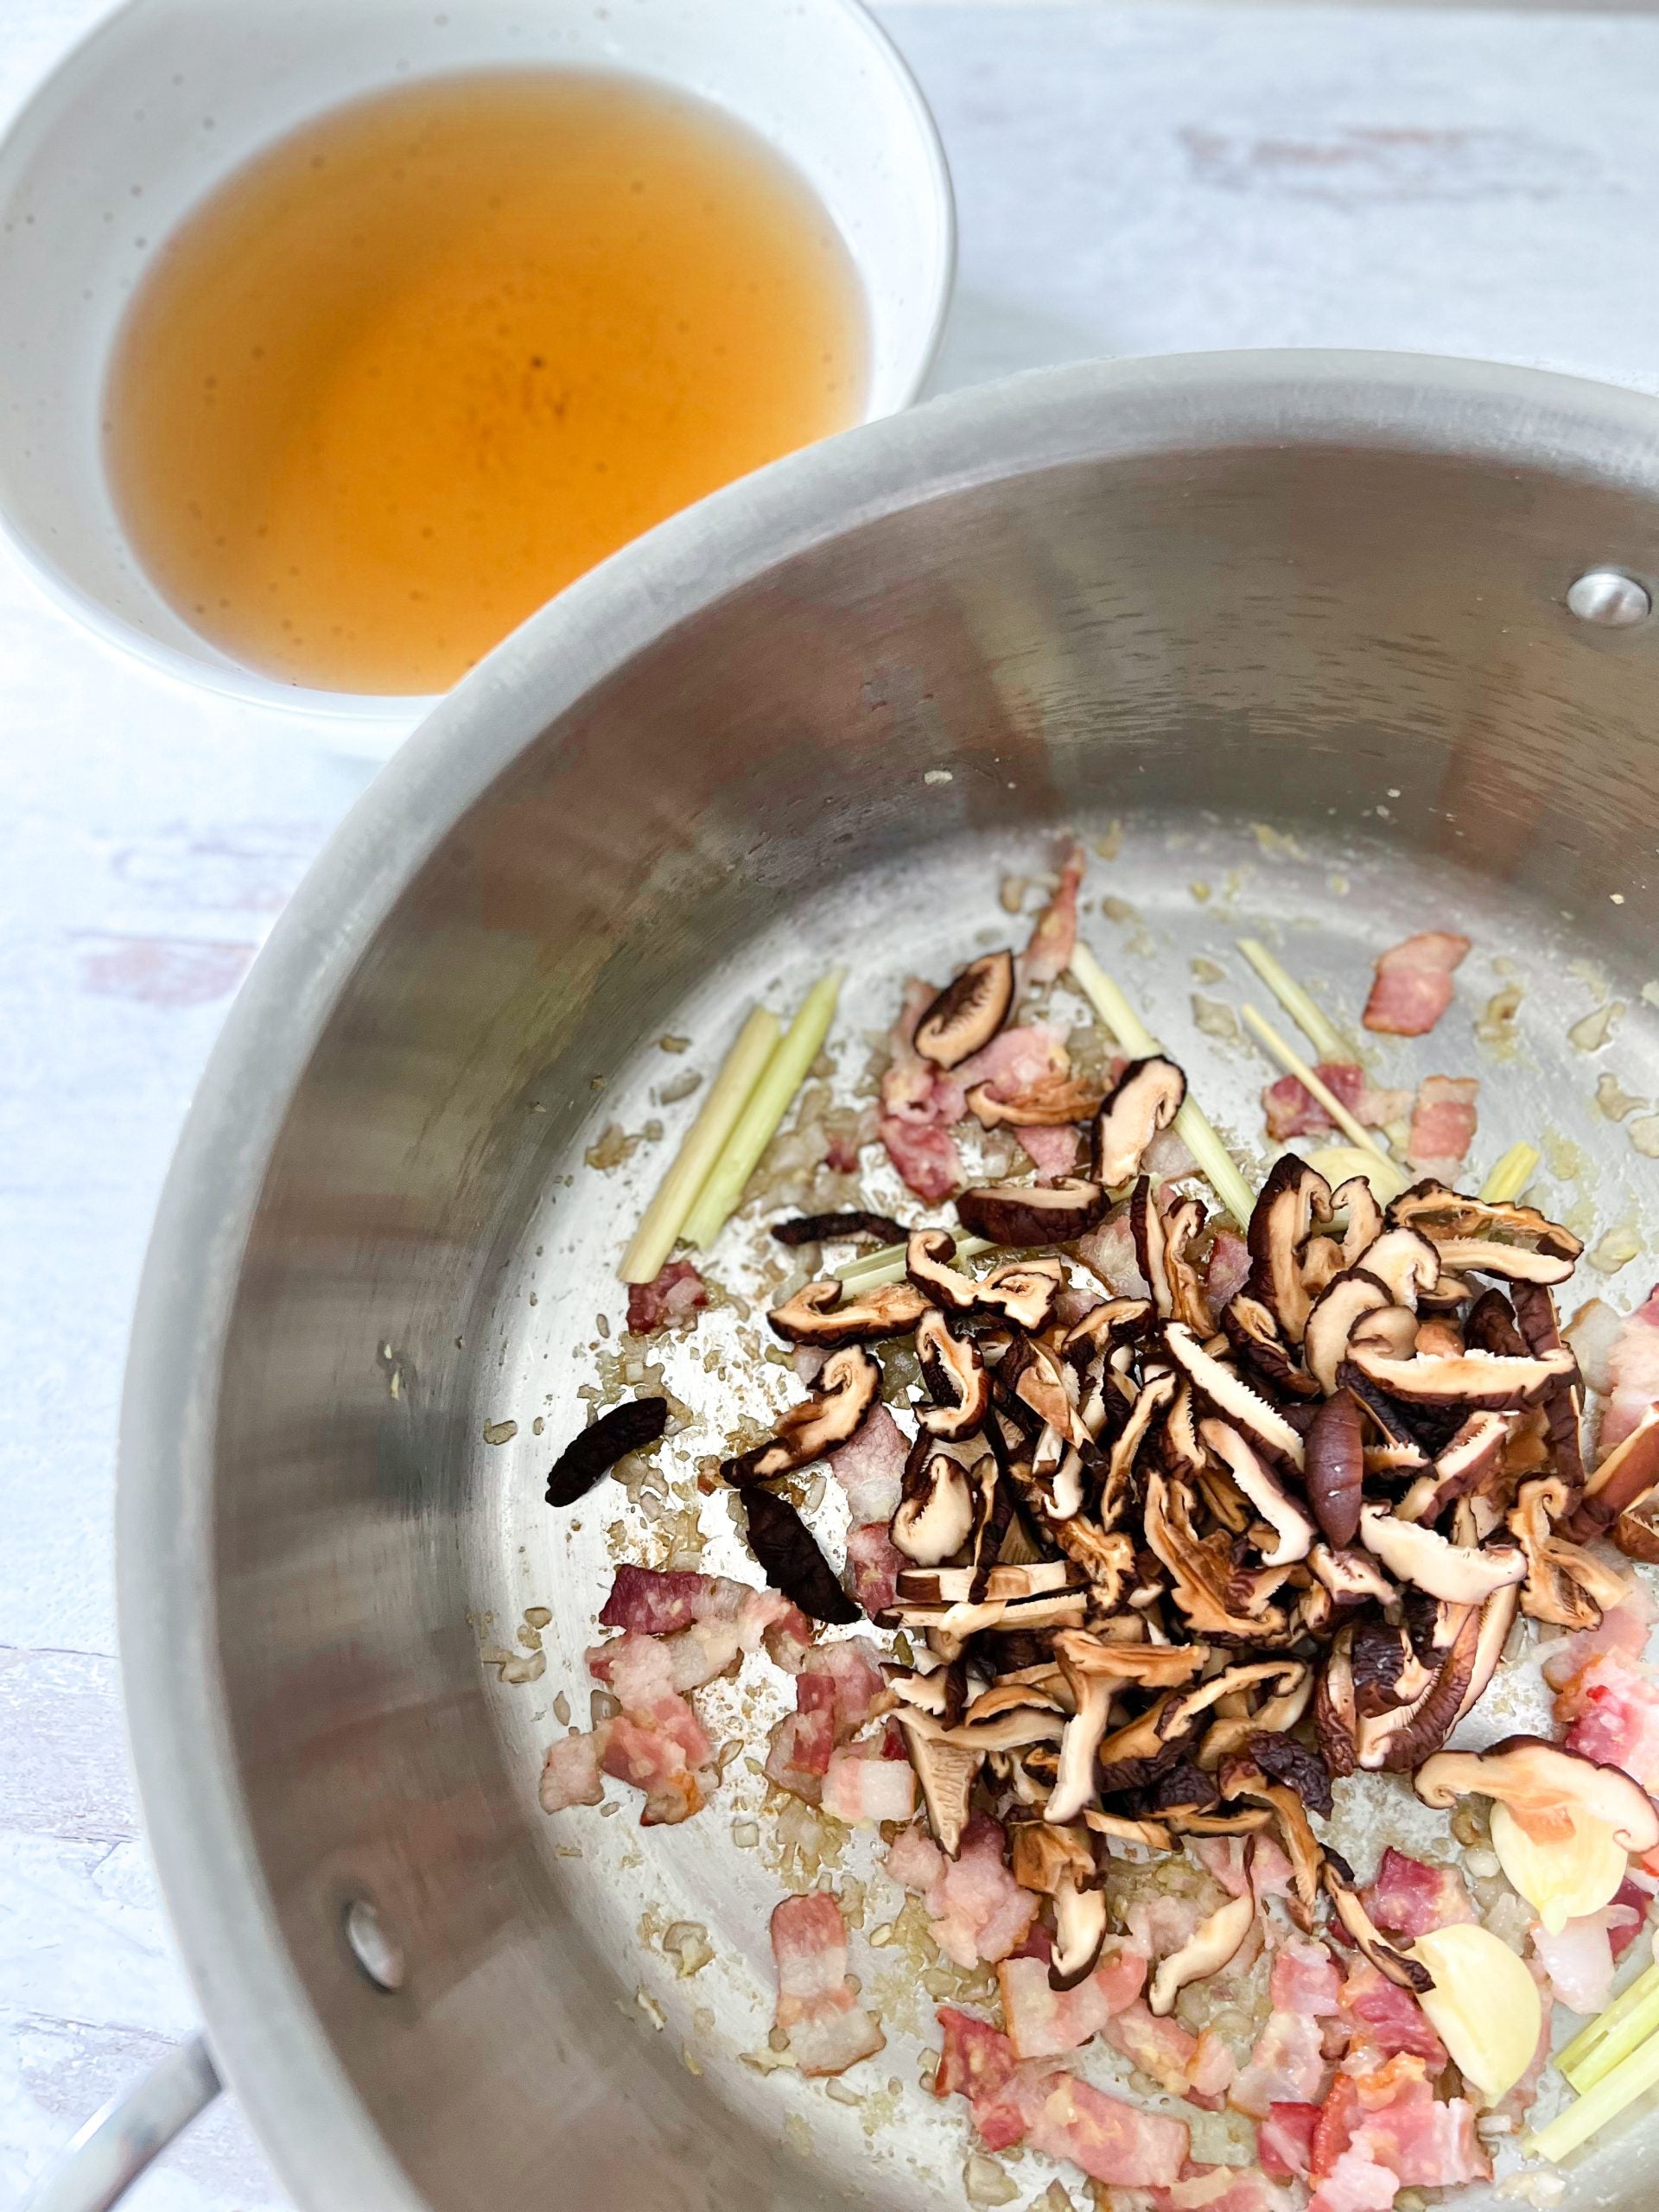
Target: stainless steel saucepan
x=1349 y=644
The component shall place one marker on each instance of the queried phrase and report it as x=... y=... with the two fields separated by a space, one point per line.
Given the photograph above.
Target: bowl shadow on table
x=988 y=335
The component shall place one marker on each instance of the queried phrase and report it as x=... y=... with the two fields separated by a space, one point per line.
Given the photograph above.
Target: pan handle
x=98 y=2166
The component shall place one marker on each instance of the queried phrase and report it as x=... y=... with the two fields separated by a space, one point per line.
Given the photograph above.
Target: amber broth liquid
x=422 y=362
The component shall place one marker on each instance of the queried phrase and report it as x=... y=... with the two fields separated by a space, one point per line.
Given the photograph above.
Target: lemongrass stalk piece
x=701 y=1145
x=785 y=1071
x=1628 y=2022
x=1511 y=1175
x=1326 y=1041
x=1293 y=1062
x=1195 y=1130
x=886 y=1263
x=1631 y=2078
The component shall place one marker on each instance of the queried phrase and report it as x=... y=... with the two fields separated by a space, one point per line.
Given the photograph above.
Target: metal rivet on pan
x=373 y=1949
x=1609 y=600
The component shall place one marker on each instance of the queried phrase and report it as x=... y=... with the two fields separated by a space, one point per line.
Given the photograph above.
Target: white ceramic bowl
x=167 y=96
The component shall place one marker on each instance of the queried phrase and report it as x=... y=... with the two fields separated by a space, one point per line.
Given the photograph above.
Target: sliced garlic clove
x=1484 y=2006
x=1560 y=1880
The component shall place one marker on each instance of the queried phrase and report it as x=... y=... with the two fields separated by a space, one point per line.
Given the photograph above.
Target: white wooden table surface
x=1131 y=179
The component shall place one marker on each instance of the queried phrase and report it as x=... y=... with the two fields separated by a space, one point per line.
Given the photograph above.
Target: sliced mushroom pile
x=1166 y=1570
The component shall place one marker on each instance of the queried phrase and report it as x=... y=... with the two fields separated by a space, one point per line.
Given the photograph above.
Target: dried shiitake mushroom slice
x=968 y=1011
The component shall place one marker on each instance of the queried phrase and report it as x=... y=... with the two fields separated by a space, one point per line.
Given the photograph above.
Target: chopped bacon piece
x=1212 y=2071
x=818 y=2009
x=1284 y=2141
x=1410 y=1897
x=1387 y=2019
x=1442 y=1122
x=663 y=1751
x=1305 y=1979
x=1161 y=2048
x=671 y=1300
x=1392 y=2118
x=654 y=1603
x=1579 y=1959
x=1412 y=987
x=925 y=1155
x=1048 y=954
x=870 y=1466
x=1355 y=2183
x=1052 y=1151
x=1113 y=2141
x=836 y=1690
x=1632 y=1373
x=1223 y=2189
x=977 y=2059
x=1623 y=1627
x=1612 y=1706
x=1016 y=1060
x=1044 y=2022
x=729 y=1621
x=978 y=1909
x=874 y=1561
x=868 y=1783
x=1287 y=2067
x=1293 y=1111
x=1227 y=1270
x=570 y=1773
x=1271 y=1872
x=920 y=1105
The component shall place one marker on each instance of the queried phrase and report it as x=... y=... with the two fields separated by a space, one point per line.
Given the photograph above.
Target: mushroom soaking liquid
x=424 y=361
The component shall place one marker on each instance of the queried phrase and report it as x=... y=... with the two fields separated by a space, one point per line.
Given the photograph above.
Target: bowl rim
x=265 y=2033
x=382 y=720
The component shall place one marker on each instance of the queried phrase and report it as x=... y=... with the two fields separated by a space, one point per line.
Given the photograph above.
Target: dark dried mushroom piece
x=1023 y=1291
x=1400 y=1737
x=1341 y=1306
x=1297 y=1765
x=1342 y=1888
x=1053 y=1103
x=1229 y=1395
x=1405 y=1262
x=1485 y=1255
x=1543 y=1786
x=1635 y=1532
x=1292 y=1532
x=930 y=1262
x=1336 y=1719
x=1113 y=1322
x=1333 y=1467
x=1213 y=1596
x=1563 y=1403
x=1214 y=1944
x=1183 y=1787
x=968 y=1011
x=956 y=1378
x=1269 y=1695
x=817 y=1315
x=1496 y=1618
x=1357 y=1201
x=854 y=1226
x=1490 y=1326
x=1352 y=1577
x=1292 y=1202
x=1459 y=1467
x=936 y=1515
x=1080 y=1921
x=945 y=1774
x=1390 y=1333
x=1626 y=1475
x=1449 y=1217
x=1241 y=1779
x=1145 y=1099
x=848 y=1385
x=1028 y=1214
x=1253 y=1335
x=1463 y=1575
x=790 y=1560
x=1565 y=1584
x=627 y=1428
x=1480 y=1380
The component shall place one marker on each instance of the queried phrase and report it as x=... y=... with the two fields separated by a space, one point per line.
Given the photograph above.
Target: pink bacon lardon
x=1048 y=953
x=1413 y=1896
x=672 y=1300
x=874 y=1562
x=1043 y=2023
x=979 y=1912
x=1388 y=2124
x=1293 y=1111
x=920 y=1105
x=1442 y=1125
x=1412 y=987
x=1632 y=1373
x=836 y=1691
x=870 y=1466
x=828 y=2030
